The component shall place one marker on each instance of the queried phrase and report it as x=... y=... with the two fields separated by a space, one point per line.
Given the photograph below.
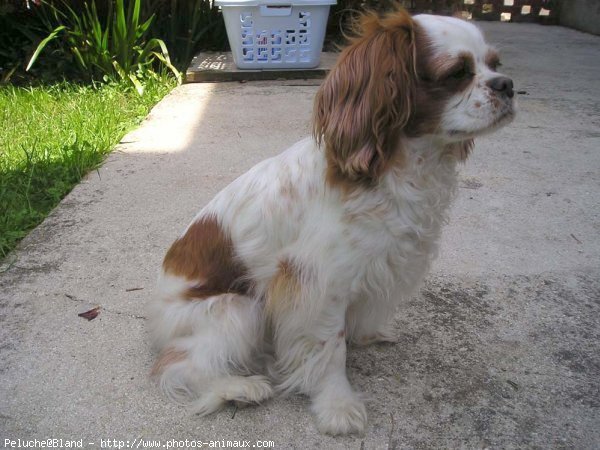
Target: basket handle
x=275 y=10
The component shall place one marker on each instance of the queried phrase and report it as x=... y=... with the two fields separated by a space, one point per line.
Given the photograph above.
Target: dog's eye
x=461 y=73
x=494 y=65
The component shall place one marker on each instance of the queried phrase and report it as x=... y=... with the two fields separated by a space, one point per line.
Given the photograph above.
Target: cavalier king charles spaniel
x=313 y=249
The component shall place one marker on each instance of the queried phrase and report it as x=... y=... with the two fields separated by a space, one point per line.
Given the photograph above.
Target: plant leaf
x=43 y=44
x=138 y=86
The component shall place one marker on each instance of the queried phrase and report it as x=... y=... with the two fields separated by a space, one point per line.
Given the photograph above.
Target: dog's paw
x=237 y=389
x=342 y=415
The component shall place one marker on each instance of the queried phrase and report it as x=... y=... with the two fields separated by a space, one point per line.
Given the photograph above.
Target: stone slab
x=219 y=66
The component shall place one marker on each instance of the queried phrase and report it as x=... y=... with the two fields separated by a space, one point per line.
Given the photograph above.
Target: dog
x=313 y=249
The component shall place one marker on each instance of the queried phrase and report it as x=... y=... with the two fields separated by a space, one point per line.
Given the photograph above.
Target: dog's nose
x=502 y=85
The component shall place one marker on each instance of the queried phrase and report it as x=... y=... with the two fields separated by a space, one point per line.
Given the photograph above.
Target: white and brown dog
x=314 y=248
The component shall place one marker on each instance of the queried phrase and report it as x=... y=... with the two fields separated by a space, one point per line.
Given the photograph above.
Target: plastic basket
x=275 y=34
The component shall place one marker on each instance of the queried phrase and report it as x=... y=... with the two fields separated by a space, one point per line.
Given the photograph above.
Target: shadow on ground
x=500 y=348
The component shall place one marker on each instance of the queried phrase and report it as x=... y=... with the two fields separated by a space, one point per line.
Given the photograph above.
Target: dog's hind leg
x=210 y=351
x=207 y=324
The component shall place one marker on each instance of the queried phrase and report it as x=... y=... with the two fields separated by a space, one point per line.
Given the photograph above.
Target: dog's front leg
x=338 y=409
x=368 y=321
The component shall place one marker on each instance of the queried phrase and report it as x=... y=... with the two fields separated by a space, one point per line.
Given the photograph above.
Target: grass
x=51 y=136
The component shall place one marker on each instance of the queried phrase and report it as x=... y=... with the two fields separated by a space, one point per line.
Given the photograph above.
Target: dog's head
x=403 y=77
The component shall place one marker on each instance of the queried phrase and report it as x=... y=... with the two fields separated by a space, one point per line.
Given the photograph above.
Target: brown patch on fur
x=495 y=101
x=461 y=150
x=205 y=254
x=166 y=358
x=443 y=66
x=492 y=59
x=436 y=84
x=284 y=288
x=350 y=188
x=366 y=100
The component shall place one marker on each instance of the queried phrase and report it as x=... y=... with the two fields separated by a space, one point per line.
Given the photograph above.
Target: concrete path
x=501 y=349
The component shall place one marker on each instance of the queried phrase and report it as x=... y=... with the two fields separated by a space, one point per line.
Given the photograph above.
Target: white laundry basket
x=275 y=34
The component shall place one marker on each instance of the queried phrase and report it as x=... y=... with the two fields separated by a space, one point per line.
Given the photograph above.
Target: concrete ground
x=501 y=348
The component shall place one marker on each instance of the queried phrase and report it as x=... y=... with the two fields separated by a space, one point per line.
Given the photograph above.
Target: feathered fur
x=316 y=247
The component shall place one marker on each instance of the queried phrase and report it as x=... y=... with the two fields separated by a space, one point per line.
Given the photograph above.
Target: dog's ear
x=366 y=100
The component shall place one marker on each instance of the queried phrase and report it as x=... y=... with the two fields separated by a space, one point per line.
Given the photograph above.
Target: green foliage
x=19 y=32
x=110 y=46
x=82 y=50
x=52 y=136
x=187 y=26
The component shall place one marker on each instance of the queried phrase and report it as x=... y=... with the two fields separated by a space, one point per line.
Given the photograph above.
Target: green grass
x=51 y=136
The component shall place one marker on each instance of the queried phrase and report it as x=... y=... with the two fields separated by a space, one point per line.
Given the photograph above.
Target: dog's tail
x=209 y=349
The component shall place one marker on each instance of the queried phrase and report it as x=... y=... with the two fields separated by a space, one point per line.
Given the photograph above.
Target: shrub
x=20 y=30
x=187 y=26
x=110 y=46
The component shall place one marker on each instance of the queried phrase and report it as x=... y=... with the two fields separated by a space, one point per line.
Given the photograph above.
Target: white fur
x=462 y=119
x=358 y=255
